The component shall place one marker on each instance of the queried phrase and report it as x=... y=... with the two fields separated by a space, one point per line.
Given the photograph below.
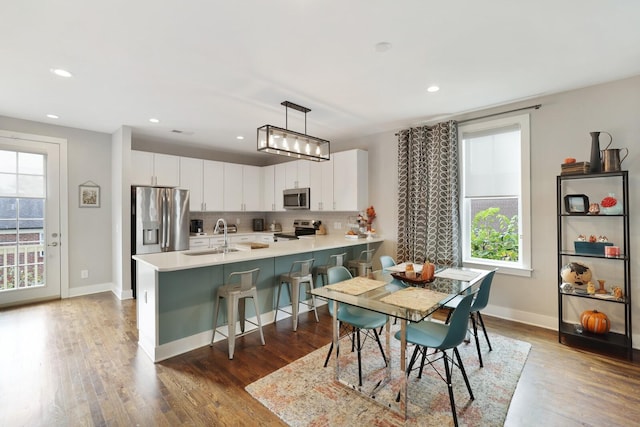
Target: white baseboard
x=91 y=289
x=528 y=318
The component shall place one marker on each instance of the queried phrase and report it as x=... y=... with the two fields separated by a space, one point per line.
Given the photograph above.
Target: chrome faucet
x=216 y=230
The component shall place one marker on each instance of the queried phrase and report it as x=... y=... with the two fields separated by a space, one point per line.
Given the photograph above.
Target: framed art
x=576 y=204
x=89 y=195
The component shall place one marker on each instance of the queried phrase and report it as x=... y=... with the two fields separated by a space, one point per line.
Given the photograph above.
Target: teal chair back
x=386 y=261
x=482 y=298
x=335 y=275
x=458 y=324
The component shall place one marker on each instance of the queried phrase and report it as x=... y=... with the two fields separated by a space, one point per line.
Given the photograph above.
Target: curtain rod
x=535 y=107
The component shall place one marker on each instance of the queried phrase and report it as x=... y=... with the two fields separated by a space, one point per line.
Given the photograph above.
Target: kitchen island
x=176 y=290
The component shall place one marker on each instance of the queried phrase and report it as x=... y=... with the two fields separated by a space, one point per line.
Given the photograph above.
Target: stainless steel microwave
x=297 y=198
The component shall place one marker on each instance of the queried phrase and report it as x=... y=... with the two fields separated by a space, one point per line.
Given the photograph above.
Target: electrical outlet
x=237 y=221
x=337 y=225
x=84 y=274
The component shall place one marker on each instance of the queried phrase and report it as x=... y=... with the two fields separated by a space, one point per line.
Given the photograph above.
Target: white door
x=30 y=252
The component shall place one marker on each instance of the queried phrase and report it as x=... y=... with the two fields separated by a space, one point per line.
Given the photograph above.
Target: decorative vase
x=607 y=209
x=595 y=165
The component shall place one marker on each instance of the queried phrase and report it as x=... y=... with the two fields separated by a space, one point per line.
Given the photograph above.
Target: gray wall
x=89 y=240
x=559 y=129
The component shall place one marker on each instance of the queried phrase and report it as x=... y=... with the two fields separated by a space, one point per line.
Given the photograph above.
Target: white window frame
x=523 y=266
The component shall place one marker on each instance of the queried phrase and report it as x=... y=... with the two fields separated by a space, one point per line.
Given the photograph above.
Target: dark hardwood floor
x=76 y=362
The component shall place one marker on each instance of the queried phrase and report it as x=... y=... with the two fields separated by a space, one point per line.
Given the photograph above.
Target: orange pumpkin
x=595 y=321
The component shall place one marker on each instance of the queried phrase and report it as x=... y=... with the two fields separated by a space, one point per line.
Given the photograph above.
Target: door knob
x=53 y=244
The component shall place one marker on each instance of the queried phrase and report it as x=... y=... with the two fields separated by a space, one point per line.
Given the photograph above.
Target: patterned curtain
x=428 y=194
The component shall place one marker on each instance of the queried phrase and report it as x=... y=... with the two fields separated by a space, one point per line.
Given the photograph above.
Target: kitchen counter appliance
x=258 y=224
x=302 y=227
x=297 y=198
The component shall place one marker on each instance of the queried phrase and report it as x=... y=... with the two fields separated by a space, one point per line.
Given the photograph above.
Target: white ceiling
x=218 y=69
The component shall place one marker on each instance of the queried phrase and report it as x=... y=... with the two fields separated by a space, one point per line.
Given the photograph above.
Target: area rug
x=304 y=393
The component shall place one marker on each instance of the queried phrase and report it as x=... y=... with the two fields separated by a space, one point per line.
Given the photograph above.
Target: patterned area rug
x=304 y=393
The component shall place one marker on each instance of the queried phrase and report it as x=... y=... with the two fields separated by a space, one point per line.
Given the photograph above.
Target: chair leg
x=326 y=361
x=452 y=401
x=475 y=335
x=359 y=359
x=380 y=346
x=215 y=320
x=424 y=358
x=484 y=330
x=275 y=318
x=464 y=372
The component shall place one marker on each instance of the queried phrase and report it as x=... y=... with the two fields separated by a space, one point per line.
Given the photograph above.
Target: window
x=495 y=195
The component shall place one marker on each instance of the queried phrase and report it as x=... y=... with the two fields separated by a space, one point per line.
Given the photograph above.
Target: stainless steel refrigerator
x=159 y=221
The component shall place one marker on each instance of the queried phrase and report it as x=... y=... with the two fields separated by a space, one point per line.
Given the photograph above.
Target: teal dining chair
x=386 y=261
x=479 y=303
x=441 y=337
x=359 y=319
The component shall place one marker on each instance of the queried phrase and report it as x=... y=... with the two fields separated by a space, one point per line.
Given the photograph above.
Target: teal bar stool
x=296 y=278
x=240 y=286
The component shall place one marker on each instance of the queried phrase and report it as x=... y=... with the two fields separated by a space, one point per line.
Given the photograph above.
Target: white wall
x=89 y=240
x=559 y=129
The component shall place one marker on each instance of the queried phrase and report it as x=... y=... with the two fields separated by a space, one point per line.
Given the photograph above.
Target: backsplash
x=244 y=220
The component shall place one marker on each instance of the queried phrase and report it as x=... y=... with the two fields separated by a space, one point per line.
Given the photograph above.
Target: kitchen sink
x=212 y=251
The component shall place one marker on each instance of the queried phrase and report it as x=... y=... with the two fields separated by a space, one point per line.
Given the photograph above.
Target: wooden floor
x=76 y=362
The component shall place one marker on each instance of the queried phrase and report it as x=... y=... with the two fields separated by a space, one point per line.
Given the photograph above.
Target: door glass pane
x=31 y=186
x=22 y=221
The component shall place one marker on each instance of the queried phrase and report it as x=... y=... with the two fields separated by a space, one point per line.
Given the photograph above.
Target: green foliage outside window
x=494 y=236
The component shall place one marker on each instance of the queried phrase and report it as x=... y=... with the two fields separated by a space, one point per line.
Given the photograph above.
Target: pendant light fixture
x=285 y=142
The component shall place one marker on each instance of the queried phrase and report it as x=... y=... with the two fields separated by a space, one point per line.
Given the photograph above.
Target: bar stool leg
x=294 y=291
x=255 y=305
x=215 y=320
x=241 y=311
x=232 y=301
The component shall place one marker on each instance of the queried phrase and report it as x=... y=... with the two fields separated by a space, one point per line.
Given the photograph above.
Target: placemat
x=356 y=286
x=457 y=274
x=415 y=298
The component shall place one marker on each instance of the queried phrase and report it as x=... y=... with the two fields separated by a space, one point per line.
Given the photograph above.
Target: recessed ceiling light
x=239 y=137
x=383 y=46
x=154 y=120
x=433 y=89
x=52 y=116
x=60 y=72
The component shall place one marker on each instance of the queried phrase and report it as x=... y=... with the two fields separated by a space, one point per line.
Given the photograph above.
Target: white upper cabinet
x=191 y=179
x=203 y=179
x=297 y=174
x=268 y=188
x=350 y=180
x=242 y=188
x=321 y=183
x=251 y=188
x=154 y=169
x=280 y=184
x=213 y=179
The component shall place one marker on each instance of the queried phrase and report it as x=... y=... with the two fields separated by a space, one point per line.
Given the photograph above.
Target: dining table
x=412 y=301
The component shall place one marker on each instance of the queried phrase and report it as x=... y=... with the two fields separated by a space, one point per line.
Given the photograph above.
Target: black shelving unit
x=568 y=332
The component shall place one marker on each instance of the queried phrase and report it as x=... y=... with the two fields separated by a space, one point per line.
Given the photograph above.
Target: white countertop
x=241 y=233
x=173 y=261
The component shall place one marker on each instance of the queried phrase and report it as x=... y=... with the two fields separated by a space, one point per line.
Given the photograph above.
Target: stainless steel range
x=302 y=227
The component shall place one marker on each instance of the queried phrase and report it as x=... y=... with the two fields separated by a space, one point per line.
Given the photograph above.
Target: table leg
x=403 y=367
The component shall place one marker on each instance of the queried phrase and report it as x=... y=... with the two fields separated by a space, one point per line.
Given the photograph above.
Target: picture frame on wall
x=576 y=204
x=89 y=193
